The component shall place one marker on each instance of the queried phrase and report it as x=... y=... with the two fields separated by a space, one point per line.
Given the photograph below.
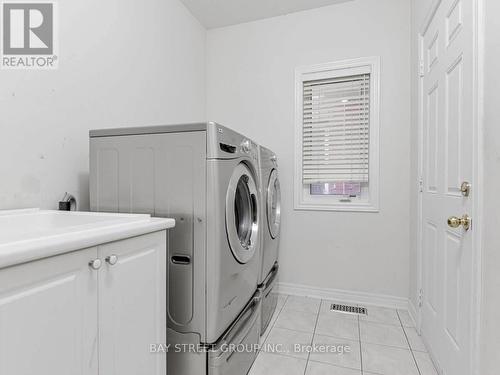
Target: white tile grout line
x=408 y=341
x=314 y=334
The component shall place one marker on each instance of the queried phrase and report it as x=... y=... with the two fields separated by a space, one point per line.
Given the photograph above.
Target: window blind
x=336 y=120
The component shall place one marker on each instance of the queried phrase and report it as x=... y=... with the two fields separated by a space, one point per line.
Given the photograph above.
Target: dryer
x=206 y=176
x=271 y=223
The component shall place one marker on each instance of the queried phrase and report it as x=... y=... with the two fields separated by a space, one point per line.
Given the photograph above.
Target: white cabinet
x=132 y=306
x=59 y=316
x=48 y=316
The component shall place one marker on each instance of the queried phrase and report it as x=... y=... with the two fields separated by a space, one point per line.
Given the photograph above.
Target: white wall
x=490 y=338
x=122 y=63
x=250 y=87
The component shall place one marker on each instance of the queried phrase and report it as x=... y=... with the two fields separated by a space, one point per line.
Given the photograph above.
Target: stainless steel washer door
x=274 y=204
x=242 y=217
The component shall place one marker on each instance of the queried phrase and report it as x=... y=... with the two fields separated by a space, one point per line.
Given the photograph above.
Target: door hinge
x=420 y=185
x=421 y=68
x=420 y=297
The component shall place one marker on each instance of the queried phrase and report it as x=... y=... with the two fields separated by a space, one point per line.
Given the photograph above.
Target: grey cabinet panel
x=104 y=188
x=163 y=175
x=142 y=176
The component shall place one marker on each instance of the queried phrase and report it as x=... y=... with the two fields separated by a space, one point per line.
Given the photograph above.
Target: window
x=337 y=136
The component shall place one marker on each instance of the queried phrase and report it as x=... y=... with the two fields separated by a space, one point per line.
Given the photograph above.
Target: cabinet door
x=132 y=305
x=48 y=316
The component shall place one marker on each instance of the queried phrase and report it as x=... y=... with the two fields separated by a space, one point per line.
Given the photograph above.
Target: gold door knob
x=455 y=222
x=465 y=189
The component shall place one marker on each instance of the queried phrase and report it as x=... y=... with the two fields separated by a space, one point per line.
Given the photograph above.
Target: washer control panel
x=224 y=143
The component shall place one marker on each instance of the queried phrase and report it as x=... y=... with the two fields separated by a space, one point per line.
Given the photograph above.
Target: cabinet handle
x=112 y=259
x=95 y=264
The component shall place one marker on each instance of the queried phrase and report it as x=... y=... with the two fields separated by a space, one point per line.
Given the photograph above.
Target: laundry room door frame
x=477 y=191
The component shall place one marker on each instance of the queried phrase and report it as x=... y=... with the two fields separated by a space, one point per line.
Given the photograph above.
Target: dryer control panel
x=246 y=146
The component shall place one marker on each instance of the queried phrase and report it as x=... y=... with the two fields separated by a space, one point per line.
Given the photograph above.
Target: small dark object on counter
x=67 y=203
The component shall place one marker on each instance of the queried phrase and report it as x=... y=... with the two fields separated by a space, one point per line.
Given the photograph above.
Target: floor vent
x=348 y=309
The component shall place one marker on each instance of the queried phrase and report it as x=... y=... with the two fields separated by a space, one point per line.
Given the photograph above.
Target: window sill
x=340 y=207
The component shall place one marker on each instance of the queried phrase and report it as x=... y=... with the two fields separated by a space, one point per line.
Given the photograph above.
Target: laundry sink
x=29 y=234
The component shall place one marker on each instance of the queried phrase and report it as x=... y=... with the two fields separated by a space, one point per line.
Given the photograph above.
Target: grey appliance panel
x=245 y=332
x=230 y=284
x=269 y=298
x=181 y=361
x=270 y=245
x=163 y=175
x=167 y=173
x=217 y=137
x=142 y=130
x=104 y=177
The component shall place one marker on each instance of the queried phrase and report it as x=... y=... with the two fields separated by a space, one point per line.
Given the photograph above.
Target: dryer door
x=242 y=217
x=274 y=204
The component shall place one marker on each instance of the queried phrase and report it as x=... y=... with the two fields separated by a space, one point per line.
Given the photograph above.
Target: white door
x=447 y=53
x=48 y=316
x=133 y=305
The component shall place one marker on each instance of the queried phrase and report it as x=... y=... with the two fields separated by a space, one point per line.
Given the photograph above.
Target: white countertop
x=31 y=234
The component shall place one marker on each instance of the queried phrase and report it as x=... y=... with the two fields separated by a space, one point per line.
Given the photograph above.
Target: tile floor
x=382 y=343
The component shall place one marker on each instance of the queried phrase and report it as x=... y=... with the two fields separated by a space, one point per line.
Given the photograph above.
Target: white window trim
x=302 y=199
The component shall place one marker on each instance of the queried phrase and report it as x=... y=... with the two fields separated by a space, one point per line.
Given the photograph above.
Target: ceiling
x=219 y=13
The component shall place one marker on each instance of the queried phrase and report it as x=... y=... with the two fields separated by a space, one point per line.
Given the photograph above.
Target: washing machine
x=206 y=176
x=271 y=222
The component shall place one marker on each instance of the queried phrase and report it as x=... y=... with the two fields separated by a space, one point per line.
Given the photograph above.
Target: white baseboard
x=412 y=310
x=348 y=296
